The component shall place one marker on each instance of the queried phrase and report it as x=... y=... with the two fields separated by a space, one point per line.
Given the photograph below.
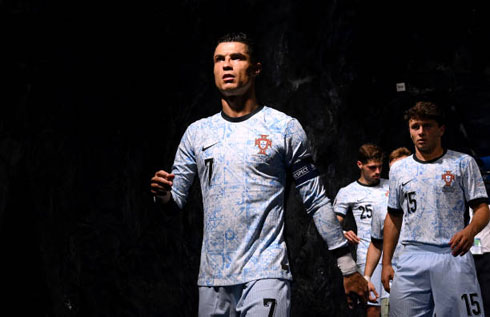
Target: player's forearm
x=481 y=215
x=345 y=262
x=372 y=259
x=329 y=227
x=391 y=233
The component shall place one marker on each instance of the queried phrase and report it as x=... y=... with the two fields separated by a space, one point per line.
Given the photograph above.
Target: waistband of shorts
x=422 y=247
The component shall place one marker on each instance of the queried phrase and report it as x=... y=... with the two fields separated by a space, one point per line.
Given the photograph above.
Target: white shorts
x=261 y=298
x=429 y=279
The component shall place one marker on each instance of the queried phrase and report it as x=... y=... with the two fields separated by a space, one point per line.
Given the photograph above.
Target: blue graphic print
x=432 y=196
x=364 y=201
x=242 y=168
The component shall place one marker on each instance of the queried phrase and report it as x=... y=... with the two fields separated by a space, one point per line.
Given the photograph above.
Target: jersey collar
x=372 y=185
x=431 y=161
x=242 y=118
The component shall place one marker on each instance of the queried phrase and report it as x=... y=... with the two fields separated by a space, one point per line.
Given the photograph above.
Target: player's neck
x=430 y=155
x=239 y=106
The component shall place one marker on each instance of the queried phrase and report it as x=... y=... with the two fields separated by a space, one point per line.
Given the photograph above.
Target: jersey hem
x=219 y=282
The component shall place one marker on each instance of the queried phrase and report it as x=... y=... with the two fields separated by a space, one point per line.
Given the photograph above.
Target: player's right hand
x=352 y=237
x=356 y=289
x=161 y=183
x=387 y=275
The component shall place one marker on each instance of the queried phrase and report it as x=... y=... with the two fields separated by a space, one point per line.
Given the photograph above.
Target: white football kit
x=364 y=201
x=432 y=197
x=242 y=164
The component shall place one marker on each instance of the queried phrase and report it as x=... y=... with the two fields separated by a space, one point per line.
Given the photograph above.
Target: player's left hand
x=373 y=294
x=462 y=241
x=352 y=237
x=355 y=287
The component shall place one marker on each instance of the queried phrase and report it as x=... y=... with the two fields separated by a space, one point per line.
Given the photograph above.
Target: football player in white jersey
x=376 y=245
x=435 y=274
x=364 y=197
x=242 y=156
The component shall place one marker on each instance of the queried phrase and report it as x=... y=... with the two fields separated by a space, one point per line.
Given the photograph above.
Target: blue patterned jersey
x=377 y=226
x=242 y=164
x=364 y=201
x=432 y=196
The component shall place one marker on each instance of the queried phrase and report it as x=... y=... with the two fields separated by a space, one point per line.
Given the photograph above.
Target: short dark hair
x=399 y=152
x=368 y=152
x=426 y=110
x=242 y=38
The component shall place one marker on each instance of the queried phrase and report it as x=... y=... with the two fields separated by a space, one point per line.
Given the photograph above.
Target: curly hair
x=426 y=110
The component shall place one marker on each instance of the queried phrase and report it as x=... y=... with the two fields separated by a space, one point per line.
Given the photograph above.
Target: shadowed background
x=96 y=95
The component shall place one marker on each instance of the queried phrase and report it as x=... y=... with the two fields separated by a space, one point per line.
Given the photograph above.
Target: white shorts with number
x=261 y=298
x=429 y=279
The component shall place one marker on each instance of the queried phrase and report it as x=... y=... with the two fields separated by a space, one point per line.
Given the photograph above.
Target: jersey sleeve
x=474 y=188
x=310 y=187
x=184 y=169
x=394 y=206
x=377 y=224
x=341 y=204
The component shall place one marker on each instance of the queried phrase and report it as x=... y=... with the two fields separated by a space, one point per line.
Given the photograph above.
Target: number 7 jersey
x=242 y=164
x=432 y=196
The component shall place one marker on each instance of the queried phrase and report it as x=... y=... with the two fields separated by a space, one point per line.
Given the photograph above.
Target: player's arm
x=341 y=207
x=477 y=198
x=372 y=260
x=311 y=189
x=376 y=246
x=170 y=190
x=391 y=233
x=373 y=255
x=349 y=235
x=161 y=185
x=374 y=251
x=462 y=241
x=317 y=204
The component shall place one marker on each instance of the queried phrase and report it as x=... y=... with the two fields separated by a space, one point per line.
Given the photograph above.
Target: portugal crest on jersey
x=263 y=143
x=448 y=178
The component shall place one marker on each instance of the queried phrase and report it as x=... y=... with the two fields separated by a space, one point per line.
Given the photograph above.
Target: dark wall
x=97 y=95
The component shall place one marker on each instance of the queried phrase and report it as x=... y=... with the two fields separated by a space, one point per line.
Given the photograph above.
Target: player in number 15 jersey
x=429 y=191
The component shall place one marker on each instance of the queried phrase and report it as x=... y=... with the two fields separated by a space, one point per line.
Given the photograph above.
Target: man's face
x=426 y=134
x=234 y=72
x=371 y=170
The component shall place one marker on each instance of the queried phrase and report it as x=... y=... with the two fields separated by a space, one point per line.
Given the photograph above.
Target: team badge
x=387 y=193
x=263 y=143
x=448 y=178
